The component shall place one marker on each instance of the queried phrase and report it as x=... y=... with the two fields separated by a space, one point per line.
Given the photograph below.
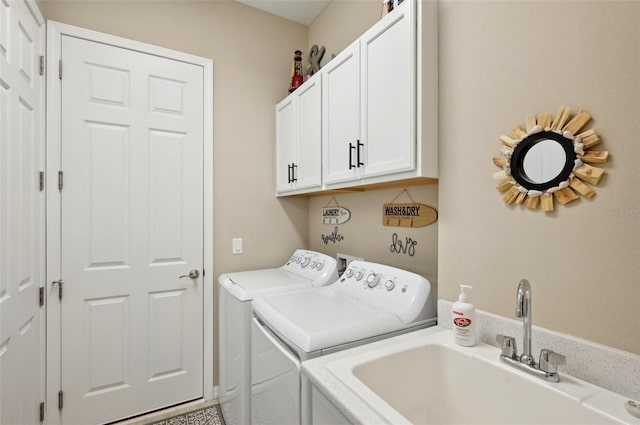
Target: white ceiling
x=300 y=11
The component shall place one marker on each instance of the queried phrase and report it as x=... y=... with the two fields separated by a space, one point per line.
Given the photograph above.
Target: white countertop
x=325 y=373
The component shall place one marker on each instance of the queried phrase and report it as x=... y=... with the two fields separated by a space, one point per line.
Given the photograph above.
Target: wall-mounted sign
x=335 y=214
x=408 y=215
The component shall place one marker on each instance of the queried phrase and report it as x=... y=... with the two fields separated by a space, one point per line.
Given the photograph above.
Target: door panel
x=21 y=215
x=308 y=149
x=388 y=94
x=286 y=136
x=132 y=223
x=341 y=114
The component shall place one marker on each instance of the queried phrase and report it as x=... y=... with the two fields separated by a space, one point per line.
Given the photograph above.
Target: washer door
x=275 y=380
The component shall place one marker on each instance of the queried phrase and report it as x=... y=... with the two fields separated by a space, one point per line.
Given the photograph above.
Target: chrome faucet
x=549 y=360
x=523 y=309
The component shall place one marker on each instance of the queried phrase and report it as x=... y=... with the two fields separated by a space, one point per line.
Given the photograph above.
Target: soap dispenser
x=464 y=319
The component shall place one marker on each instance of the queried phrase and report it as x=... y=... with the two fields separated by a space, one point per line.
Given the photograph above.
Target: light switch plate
x=236 y=246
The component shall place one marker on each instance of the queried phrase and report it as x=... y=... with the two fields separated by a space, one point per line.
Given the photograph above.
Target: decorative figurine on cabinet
x=296 y=72
x=315 y=56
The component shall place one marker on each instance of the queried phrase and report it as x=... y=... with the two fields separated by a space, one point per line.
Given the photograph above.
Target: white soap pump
x=464 y=319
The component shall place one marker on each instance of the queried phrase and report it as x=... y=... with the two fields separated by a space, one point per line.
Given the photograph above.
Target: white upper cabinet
x=341 y=116
x=285 y=148
x=298 y=136
x=307 y=170
x=388 y=87
x=369 y=98
x=379 y=110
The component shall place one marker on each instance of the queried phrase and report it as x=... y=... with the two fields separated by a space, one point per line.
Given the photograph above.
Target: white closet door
x=21 y=214
x=132 y=224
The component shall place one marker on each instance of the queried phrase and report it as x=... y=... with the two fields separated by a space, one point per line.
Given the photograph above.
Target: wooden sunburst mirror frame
x=565 y=131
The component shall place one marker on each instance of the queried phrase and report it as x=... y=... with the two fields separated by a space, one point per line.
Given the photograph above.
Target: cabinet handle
x=359 y=145
x=351 y=148
x=288 y=173
x=294 y=167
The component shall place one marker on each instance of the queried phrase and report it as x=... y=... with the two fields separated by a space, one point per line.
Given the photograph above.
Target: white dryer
x=369 y=302
x=304 y=270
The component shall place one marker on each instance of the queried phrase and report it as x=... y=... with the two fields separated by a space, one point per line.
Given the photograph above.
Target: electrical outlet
x=344 y=260
x=236 y=246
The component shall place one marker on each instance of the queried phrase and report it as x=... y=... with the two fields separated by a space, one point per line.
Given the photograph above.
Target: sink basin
x=431 y=381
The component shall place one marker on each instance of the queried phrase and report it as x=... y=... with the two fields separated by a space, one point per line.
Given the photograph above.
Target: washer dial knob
x=359 y=275
x=372 y=280
x=348 y=273
x=305 y=262
x=389 y=284
x=319 y=265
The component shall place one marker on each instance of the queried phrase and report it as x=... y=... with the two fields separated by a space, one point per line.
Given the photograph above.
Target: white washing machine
x=369 y=302
x=305 y=269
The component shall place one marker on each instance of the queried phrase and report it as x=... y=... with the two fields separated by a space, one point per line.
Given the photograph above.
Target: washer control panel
x=318 y=267
x=398 y=291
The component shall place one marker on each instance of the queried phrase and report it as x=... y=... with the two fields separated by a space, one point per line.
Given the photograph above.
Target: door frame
x=55 y=32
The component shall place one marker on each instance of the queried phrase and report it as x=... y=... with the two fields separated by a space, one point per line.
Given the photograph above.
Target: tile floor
x=195 y=413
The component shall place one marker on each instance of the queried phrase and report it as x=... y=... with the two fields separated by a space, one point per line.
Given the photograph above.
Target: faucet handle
x=550 y=360
x=507 y=345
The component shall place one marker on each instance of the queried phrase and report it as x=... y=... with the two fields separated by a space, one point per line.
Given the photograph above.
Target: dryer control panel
x=321 y=269
x=397 y=291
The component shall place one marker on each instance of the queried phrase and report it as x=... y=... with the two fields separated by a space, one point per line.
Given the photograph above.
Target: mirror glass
x=544 y=161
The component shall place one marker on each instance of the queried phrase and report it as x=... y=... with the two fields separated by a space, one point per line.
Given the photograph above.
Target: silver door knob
x=193 y=274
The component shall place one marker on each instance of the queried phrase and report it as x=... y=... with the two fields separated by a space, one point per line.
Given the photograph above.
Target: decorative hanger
x=410 y=214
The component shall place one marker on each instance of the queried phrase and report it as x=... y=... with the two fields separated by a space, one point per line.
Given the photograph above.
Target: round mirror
x=542 y=160
x=548 y=160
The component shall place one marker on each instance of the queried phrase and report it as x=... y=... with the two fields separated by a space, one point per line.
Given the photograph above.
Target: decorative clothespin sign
x=335 y=214
x=407 y=214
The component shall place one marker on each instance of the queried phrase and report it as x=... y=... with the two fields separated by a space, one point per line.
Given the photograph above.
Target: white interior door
x=21 y=213
x=132 y=224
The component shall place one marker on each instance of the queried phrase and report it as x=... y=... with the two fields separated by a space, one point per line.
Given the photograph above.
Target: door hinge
x=58 y=283
x=41 y=296
x=41 y=65
x=60 y=400
x=41 y=181
x=42 y=411
x=60 y=69
x=60 y=179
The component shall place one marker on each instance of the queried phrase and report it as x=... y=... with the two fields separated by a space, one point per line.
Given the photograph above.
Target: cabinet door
x=285 y=142
x=341 y=111
x=308 y=161
x=388 y=93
